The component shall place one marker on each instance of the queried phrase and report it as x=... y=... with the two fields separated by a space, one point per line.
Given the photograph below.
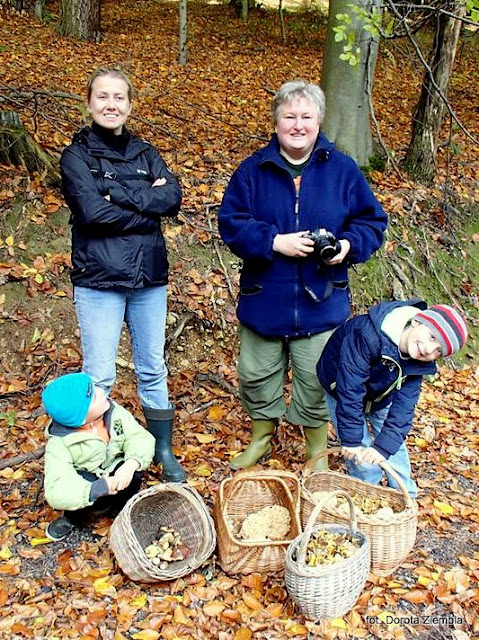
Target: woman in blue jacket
x=118 y=188
x=292 y=293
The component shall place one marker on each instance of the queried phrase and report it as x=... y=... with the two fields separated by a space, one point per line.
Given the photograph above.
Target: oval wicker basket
x=391 y=540
x=239 y=496
x=164 y=505
x=328 y=590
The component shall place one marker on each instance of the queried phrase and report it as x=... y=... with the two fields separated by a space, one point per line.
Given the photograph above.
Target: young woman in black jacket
x=118 y=188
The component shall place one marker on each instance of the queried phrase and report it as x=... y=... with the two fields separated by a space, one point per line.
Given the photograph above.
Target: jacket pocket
x=251 y=290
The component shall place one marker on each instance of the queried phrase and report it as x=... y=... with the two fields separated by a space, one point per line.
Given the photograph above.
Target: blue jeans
x=370 y=472
x=100 y=314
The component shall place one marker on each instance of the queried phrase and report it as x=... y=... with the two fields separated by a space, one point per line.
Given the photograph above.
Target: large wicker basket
x=328 y=590
x=391 y=540
x=164 y=505
x=245 y=493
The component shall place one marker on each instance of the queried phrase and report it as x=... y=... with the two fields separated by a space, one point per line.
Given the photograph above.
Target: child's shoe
x=59 y=529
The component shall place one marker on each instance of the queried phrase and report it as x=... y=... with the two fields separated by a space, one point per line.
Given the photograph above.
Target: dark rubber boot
x=262 y=432
x=159 y=423
x=316 y=442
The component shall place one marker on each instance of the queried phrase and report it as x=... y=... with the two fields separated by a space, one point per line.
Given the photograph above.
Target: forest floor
x=205 y=118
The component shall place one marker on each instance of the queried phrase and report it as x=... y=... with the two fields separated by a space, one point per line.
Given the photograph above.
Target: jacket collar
x=271 y=153
x=97 y=146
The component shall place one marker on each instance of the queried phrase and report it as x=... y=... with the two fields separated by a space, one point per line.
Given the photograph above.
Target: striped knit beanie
x=447 y=326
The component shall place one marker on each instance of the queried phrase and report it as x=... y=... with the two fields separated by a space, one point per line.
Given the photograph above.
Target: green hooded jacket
x=69 y=451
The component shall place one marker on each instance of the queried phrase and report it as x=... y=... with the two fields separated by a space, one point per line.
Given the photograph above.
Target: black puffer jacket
x=117 y=242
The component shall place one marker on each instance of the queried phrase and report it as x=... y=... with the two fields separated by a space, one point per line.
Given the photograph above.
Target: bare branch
x=431 y=74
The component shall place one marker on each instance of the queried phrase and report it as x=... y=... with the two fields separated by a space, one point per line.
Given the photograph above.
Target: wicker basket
x=164 y=505
x=391 y=540
x=329 y=590
x=245 y=493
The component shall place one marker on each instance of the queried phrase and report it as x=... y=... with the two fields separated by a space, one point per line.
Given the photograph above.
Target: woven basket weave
x=328 y=590
x=164 y=505
x=391 y=540
x=245 y=493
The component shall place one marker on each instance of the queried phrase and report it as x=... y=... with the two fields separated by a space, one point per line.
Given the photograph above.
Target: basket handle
x=301 y=557
x=309 y=466
x=237 y=478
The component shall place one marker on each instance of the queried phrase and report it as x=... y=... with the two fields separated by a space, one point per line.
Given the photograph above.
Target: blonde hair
x=113 y=73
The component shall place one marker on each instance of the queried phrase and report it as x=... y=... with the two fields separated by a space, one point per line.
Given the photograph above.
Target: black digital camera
x=326 y=245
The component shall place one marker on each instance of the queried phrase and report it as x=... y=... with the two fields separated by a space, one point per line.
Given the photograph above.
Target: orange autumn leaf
x=418 y=596
x=213 y=608
x=251 y=602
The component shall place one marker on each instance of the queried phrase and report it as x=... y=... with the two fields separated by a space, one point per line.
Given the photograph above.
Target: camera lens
x=327 y=253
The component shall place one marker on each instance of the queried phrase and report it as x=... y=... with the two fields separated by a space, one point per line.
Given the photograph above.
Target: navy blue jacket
x=362 y=369
x=117 y=242
x=282 y=296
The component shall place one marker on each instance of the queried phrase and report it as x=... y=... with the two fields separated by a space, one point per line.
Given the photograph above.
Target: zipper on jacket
x=298 y=266
x=396 y=385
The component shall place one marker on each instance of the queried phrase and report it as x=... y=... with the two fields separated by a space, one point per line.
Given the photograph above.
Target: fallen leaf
x=213 y=608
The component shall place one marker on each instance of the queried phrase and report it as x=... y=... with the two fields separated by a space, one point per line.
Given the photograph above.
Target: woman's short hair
x=113 y=73
x=295 y=90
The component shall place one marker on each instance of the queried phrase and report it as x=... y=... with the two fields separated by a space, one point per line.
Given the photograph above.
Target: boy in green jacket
x=95 y=454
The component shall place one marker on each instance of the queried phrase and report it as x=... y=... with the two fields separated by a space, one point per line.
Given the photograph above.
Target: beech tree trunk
x=347 y=121
x=244 y=10
x=81 y=19
x=19 y=5
x=183 y=19
x=420 y=159
x=18 y=148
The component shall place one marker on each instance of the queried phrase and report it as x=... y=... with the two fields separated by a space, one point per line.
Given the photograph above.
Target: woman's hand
x=345 y=247
x=295 y=245
x=159 y=182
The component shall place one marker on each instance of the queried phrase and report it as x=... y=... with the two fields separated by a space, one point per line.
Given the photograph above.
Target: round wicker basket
x=164 y=505
x=329 y=590
x=392 y=539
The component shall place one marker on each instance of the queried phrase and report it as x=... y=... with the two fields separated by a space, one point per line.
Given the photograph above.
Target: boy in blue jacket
x=372 y=369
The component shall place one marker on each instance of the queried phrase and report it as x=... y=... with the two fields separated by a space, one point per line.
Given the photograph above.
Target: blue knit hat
x=68 y=398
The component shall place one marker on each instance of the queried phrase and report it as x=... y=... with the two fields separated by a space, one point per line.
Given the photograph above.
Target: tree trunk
x=19 y=5
x=281 y=21
x=420 y=160
x=18 y=148
x=347 y=88
x=39 y=9
x=81 y=19
x=183 y=19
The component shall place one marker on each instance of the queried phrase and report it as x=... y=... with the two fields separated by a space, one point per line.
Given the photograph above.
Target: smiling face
x=297 y=127
x=418 y=342
x=109 y=104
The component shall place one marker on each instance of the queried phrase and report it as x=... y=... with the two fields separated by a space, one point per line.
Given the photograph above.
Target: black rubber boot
x=159 y=423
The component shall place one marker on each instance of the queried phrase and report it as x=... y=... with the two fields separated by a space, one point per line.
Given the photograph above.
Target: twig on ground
x=217 y=380
x=179 y=329
x=24 y=457
x=222 y=264
x=433 y=269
